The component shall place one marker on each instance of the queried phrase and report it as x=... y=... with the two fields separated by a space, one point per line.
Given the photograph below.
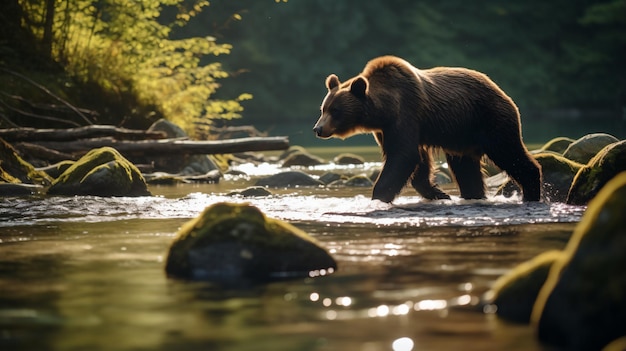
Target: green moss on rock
x=101 y=172
x=586 y=147
x=558 y=145
x=582 y=305
x=238 y=243
x=609 y=162
x=515 y=293
x=13 y=169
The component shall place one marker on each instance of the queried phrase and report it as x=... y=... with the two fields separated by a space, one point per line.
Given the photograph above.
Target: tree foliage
x=126 y=48
x=561 y=54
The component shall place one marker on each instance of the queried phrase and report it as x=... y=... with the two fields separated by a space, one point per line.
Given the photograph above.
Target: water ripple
x=407 y=211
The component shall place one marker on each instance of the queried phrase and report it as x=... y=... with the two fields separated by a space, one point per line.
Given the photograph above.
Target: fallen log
x=169 y=147
x=70 y=134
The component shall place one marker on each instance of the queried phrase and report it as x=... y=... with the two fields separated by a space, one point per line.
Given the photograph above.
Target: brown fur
x=412 y=111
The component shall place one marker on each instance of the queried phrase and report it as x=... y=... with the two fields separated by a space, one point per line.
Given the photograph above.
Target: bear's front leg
x=393 y=177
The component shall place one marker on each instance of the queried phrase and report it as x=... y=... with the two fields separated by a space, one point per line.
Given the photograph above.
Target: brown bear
x=412 y=111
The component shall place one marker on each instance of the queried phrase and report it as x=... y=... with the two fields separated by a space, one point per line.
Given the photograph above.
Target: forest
x=201 y=63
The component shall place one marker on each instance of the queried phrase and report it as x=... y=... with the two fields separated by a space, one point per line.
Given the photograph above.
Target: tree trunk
x=170 y=147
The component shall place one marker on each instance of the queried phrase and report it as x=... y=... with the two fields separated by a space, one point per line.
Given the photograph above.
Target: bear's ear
x=359 y=87
x=332 y=81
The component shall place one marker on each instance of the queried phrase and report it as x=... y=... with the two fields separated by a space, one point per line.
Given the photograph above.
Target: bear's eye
x=335 y=112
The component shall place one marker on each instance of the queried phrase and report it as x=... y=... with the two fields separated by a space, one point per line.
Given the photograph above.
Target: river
x=87 y=273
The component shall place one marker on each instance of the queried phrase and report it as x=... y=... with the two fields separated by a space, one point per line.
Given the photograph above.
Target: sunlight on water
x=359 y=209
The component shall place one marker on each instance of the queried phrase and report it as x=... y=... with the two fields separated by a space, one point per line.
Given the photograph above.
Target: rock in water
x=288 y=179
x=583 y=149
x=558 y=145
x=609 y=162
x=101 y=172
x=514 y=294
x=582 y=305
x=236 y=243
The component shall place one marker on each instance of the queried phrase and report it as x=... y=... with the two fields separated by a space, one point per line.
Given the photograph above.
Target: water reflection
x=87 y=273
x=402 y=344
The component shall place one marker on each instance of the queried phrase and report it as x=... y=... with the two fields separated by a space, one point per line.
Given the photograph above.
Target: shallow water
x=86 y=273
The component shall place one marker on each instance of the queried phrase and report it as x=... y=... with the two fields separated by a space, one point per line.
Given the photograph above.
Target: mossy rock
x=609 y=162
x=558 y=173
x=289 y=179
x=101 y=172
x=163 y=178
x=582 y=305
x=616 y=345
x=13 y=169
x=515 y=293
x=558 y=145
x=585 y=148
x=55 y=170
x=348 y=159
x=238 y=243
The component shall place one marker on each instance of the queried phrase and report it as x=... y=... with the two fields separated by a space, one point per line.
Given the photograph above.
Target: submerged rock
x=288 y=179
x=237 y=243
x=583 y=149
x=558 y=145
x=101 y=172
x=582 y=305
x=609 y=162
x=515 y=293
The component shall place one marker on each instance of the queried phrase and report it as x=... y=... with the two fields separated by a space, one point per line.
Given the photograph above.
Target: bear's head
x=343 y=108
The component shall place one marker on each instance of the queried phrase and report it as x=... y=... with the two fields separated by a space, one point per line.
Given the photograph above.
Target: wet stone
x=514 y=294
x=288 y=179
x=609 y=162
x=348 y=159
x=557 y=145
x=585 y=148
x=101 y=172
x=235 y=243
x=582 y=305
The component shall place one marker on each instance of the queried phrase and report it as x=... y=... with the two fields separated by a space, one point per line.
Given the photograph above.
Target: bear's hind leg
x=468 y=175
x=520 y=166
x=422 y=179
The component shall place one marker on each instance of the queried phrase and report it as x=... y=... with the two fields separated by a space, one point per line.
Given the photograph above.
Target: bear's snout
x=318 y=130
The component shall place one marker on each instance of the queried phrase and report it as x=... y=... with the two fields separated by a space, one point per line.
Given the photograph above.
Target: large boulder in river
x=514 y=294
x=585 y=148
x=101 y=172
x=609 y=162
x=582 y=305
x=289 y=179
x=237 y=243
x=557 y=145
